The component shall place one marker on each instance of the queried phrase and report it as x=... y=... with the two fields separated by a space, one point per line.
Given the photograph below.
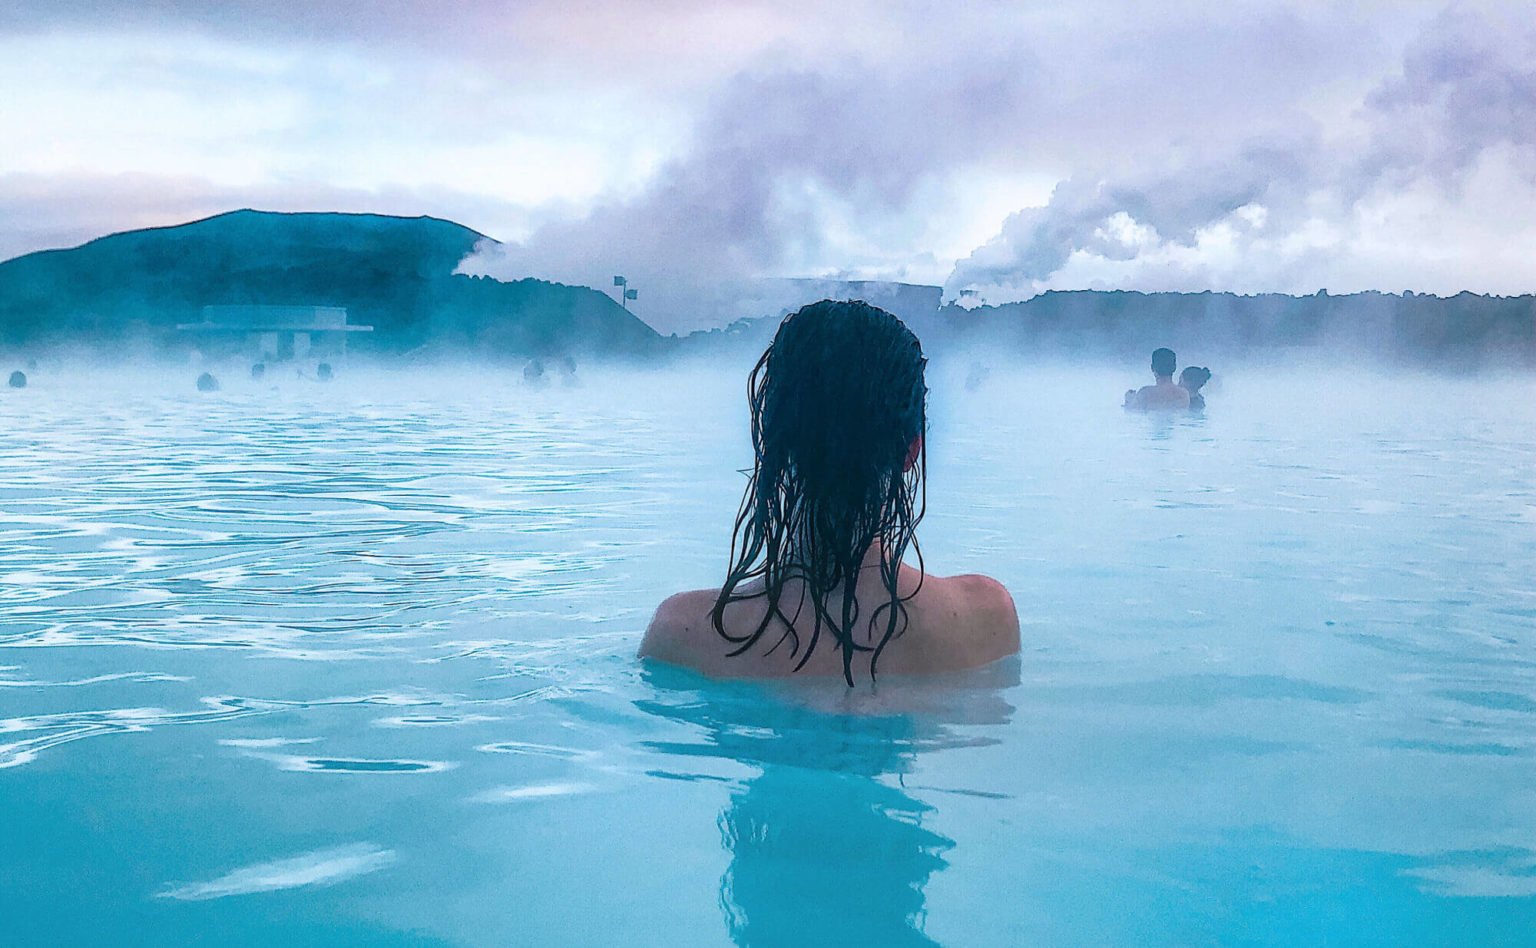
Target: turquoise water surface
x=353 y=664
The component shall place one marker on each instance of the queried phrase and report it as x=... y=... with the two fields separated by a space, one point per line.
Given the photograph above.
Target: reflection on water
x=354 y=666
x=826 y=845
x=825 y=852
x=323 y=867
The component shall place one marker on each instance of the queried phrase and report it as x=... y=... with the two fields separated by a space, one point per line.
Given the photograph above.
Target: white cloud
x=1252 y=145
x=1416 y=192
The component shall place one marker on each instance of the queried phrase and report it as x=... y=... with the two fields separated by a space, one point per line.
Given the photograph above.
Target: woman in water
x=817 y=581
x=1191 y=379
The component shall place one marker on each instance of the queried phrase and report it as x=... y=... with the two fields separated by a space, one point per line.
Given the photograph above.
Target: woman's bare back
x=954 y=623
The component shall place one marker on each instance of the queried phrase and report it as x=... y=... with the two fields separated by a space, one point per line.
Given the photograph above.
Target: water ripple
x=320 y=867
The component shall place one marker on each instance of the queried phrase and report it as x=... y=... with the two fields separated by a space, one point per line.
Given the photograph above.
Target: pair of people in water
x=1165 y=394
x=819 y=581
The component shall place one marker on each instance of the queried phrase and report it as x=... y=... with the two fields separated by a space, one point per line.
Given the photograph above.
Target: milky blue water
x=352 y=664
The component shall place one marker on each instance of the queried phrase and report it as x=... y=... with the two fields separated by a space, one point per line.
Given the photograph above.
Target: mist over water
x=355 y=660
x=338 y=647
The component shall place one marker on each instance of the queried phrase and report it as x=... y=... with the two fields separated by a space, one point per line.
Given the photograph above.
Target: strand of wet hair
x=777 y=538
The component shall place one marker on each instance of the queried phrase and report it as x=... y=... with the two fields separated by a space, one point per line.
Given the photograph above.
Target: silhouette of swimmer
x=258 y=370
x=819 y=582
x=1190 y=380
x=323 y=372
x=817 y=798
x=1164 y=395
x=534 y=372
x=827 y=810
x=207 y=383
x=18 y=379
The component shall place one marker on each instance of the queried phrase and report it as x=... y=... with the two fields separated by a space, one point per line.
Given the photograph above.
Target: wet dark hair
x=1164 y=361
x=837 y=401
x=1194 y=376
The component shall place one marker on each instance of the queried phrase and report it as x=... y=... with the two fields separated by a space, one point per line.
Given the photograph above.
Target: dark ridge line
x=160 y=228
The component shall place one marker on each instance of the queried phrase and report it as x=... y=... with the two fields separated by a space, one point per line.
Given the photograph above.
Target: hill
x=393 y=273
x=397 y=274
x=1465 y=332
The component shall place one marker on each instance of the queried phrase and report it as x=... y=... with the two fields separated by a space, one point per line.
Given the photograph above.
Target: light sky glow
x=1003 y=148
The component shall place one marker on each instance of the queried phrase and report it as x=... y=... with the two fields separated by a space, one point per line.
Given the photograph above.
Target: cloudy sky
x=998 y=148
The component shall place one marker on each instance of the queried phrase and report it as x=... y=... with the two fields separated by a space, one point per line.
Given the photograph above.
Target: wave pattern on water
x=1254 y=641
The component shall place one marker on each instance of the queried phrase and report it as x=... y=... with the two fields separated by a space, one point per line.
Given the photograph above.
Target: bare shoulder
x=987 y=595
x=994 y=620
x=678 y=627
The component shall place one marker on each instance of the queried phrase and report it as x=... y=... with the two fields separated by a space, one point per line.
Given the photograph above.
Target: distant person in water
x=207 y=383
x=818 y=582
x=18 y=379
x=1163 y=395
x=533 y=372
x=323 y=372
x=258 y=370
x=1191 y=379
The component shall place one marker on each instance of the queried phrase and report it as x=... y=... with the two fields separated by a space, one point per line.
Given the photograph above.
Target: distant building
x=914 y=304
x=274 y=333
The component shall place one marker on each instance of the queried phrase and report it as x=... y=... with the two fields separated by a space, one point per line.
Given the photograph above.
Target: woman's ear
x=914 y=451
